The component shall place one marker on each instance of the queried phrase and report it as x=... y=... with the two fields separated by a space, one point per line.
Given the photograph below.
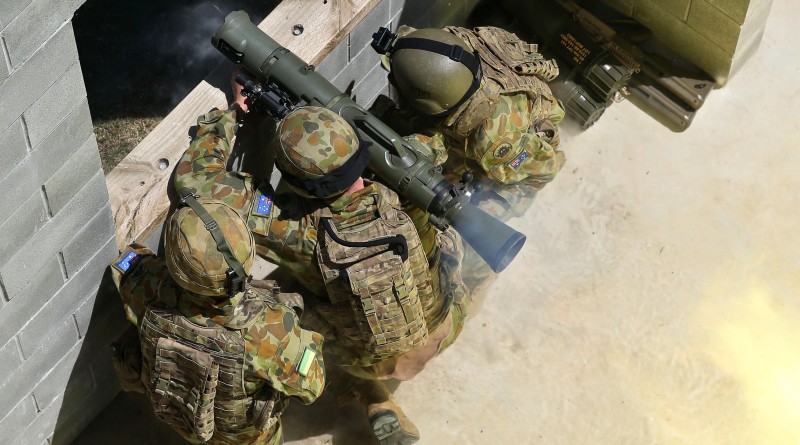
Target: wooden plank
x=137 y=187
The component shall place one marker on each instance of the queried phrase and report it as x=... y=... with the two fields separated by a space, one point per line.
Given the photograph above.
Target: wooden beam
x=137 y=187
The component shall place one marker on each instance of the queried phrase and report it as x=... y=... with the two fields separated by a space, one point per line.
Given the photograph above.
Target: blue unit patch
x=516 y=162
x=125 y=263
x=264 y=205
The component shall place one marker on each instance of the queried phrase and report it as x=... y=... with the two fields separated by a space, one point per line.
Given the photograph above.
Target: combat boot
x=389 y=422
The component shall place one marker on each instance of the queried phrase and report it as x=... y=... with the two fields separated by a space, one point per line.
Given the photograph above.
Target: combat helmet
x=208 y=247
x=433 y=70
x=318 y=153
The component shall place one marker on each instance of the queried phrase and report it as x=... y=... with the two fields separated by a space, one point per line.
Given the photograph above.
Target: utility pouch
x=183 y=386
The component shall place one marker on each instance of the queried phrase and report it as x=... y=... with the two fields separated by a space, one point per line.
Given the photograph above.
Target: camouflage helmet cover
x=312 y=143
x=431 y=82
x=191 y=251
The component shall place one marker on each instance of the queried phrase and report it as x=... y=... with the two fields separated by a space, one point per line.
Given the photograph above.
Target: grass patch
x=119 y=136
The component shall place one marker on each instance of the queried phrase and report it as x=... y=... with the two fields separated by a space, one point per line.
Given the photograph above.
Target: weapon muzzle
x=495 y=241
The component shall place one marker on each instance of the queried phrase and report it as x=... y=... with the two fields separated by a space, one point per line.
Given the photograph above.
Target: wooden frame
x=137 y=187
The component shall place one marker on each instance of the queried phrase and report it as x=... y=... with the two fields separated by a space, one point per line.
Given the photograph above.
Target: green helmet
x=433 y=70
x=196 y=258
x=318 y=152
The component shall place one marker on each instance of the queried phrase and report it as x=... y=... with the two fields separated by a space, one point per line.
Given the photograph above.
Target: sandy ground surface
x=656 y=301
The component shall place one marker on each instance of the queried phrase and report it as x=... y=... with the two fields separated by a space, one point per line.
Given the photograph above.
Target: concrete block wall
x=716 y=35
x=355 y=67
x=56 y=233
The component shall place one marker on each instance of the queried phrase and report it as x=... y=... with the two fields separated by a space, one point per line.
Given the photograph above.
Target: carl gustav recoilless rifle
x=283 y=81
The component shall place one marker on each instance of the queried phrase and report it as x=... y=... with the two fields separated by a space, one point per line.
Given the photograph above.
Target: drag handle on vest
x=394 y=161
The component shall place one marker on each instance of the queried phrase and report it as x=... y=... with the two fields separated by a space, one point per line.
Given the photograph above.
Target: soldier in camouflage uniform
x=479 y=100
x=495 y=116
x=219 y=359
x=371 y=337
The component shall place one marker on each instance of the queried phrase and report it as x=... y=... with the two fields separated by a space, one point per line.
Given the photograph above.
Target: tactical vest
x=194 y=375
x=376 y=276
x=509 y=66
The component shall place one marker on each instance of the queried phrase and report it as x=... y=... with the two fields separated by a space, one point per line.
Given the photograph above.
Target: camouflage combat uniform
x=506 y=134
x=261 y=340
x=285 y=230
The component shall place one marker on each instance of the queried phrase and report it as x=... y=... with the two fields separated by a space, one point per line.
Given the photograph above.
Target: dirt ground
x=657 y=300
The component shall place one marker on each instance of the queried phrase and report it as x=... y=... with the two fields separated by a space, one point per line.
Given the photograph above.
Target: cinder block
x=9 y=358
x=62 y=305
x=714 y=25
x=336 y=60
x=369 y=87
x=360 y=65
x=73 y=175
x=685 y=41
x=46 y=243
x=58 y=309
x=83 y=315
x=10 y=10
x=623 y=6
x=54 y=104
x=34 y=25
x=4 y=64
x=20 y=383
x=20 y=309
x=104 y=311
x=29 y=175
x=385 y=91
x=735 y=9
x=12 y=147
x=55 y=382
x=43 y=425
x=361 y=36
x=86 y=243
x=21 y=226
x=18 y=419
x=27 y=83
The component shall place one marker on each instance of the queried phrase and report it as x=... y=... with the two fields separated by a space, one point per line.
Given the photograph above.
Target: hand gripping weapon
x=284 y=81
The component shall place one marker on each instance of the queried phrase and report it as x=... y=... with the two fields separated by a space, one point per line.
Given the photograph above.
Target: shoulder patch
x=516 y=162
x=126 y=260
x=263 y=205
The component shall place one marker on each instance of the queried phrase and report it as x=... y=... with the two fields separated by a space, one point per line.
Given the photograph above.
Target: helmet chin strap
x=236 y=274
x=454 y=52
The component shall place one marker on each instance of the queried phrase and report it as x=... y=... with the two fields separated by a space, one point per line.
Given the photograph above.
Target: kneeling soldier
x=219 y=359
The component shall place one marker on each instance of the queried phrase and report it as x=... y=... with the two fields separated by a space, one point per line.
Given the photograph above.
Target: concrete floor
x=657 y=300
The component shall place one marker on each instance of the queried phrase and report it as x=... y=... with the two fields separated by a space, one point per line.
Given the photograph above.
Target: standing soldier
x=219 y=359
x=478 y=99
x=384 y=304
